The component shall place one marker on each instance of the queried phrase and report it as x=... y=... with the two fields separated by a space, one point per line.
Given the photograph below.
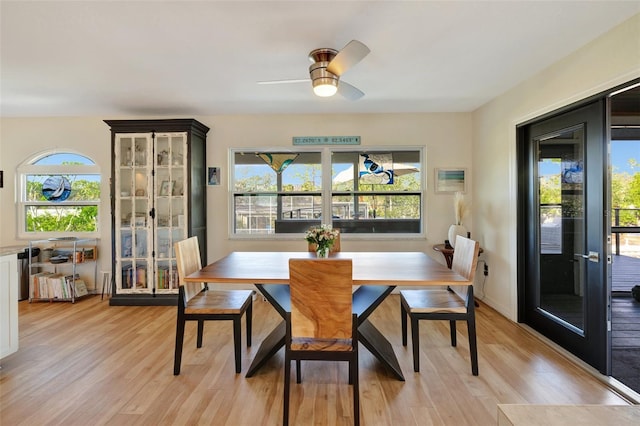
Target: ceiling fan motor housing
x=318 y=70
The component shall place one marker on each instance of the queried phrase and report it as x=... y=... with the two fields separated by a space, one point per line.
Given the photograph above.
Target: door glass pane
x=561 y=233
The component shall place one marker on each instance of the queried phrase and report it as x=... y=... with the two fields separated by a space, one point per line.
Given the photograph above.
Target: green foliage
x=392 y=206
x=550 y=190
x=65 y=216
x=62 y=219
x=256 y=183
x=311 y=173
x=625 y=196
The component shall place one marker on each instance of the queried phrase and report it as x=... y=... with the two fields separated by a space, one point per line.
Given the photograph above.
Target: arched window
x=59 y=196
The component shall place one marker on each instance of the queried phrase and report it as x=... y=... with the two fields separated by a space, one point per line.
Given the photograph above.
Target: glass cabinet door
x=171 y=206
x=133 y=204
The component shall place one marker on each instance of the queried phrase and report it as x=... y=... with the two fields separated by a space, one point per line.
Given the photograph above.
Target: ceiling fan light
x=325 y=87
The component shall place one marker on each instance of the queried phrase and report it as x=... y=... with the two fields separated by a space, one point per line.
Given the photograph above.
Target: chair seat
x=430 y=301
x=219 y=302
x=333 y=345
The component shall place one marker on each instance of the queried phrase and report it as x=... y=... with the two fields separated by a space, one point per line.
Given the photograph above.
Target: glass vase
x=322 y=252
x=454 y=231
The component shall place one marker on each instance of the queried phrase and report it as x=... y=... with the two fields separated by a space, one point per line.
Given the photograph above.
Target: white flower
x=323 y=236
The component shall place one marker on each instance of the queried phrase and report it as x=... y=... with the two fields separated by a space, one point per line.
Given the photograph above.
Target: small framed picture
x=140 y=221
x=450 y=180
x=166 y=188
x=214 y=176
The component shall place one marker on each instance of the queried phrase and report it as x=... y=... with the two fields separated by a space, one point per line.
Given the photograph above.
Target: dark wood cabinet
x=158 y=197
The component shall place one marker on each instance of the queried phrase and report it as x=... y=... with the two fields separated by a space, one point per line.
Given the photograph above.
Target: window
x=364 y=192
x=60 y=195
x=550 y=188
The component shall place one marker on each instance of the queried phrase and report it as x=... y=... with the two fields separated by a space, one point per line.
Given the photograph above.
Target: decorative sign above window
x=326 y=140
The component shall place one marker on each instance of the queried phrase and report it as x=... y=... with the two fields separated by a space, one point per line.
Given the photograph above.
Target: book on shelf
x=38 y=285
x=131 y=276
x=141 y=277
x=81 y=288
x=166 y=278
x=69 y=284
x=90 y=253
x=127 y=277
x=56 y=286
x=52 y=286
x=162 y=277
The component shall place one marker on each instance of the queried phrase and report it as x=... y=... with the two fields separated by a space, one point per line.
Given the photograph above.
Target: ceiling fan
x=328 y=65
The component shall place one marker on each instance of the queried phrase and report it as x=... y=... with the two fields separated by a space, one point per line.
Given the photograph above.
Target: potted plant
x=323 y=237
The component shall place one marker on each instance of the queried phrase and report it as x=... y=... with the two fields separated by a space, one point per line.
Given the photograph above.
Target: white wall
x=22 y=138
x=604 y=63
x=446 y=136
x=484 y=142
x=447 y=139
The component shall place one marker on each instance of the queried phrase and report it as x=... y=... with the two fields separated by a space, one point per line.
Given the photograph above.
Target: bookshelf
x=56 y=277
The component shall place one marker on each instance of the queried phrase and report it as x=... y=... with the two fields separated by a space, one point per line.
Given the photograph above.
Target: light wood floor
x=92 y=364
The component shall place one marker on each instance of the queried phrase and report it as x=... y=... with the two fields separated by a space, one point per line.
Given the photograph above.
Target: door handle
x=593 y=256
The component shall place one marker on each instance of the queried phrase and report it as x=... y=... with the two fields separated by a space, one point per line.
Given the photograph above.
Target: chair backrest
x=335 y=248
x=321 y=298
x=465 y=260
x=188 y=261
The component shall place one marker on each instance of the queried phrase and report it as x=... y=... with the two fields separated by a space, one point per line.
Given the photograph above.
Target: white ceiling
x=190 y=58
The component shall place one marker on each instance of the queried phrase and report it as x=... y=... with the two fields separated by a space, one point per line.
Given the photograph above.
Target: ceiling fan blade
x=303 y=80
x=350 y=55
x=348 y=91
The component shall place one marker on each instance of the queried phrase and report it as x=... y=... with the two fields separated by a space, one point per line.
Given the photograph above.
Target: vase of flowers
x=323 y=237
x=460 y=208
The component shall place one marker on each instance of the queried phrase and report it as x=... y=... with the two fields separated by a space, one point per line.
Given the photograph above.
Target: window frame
x=29 y=168
x=326 y=191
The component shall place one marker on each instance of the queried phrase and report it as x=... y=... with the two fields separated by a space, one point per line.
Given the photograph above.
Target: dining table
x=375 y=276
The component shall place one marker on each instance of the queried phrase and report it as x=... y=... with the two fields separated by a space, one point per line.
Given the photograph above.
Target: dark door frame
x=522 y=188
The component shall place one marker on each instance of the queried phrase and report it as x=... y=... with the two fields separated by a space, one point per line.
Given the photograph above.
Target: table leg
x=268 y=348
x=380 y=347
x=365 y=300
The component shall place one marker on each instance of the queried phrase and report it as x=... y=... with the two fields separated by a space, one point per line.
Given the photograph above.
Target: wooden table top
x=369 y=268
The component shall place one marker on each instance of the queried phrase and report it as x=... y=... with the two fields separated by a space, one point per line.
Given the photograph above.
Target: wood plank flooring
x=89 y=363
x=625 y=322
x=625 y=273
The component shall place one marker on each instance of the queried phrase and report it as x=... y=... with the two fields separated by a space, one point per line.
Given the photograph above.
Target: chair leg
x=403 y=321
x=356 y=391
x=200 y=333
x=298 y=371
x=452 y=327
x=415 y=342
x=287 y=384
x=248 y=318
x=473 y=346
x=177 y=360
x=237 y=339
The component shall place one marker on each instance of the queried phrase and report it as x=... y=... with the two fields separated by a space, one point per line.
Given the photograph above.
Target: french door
x=563 y=251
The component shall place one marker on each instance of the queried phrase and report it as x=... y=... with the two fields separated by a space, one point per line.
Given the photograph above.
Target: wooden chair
x=447 y=304
x=321 y=324
x=197 y=303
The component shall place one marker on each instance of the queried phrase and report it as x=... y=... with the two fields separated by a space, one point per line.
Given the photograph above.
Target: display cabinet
x=158 y=189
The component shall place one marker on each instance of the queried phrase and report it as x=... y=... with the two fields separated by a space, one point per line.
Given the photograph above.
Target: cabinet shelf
x=47 y=282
